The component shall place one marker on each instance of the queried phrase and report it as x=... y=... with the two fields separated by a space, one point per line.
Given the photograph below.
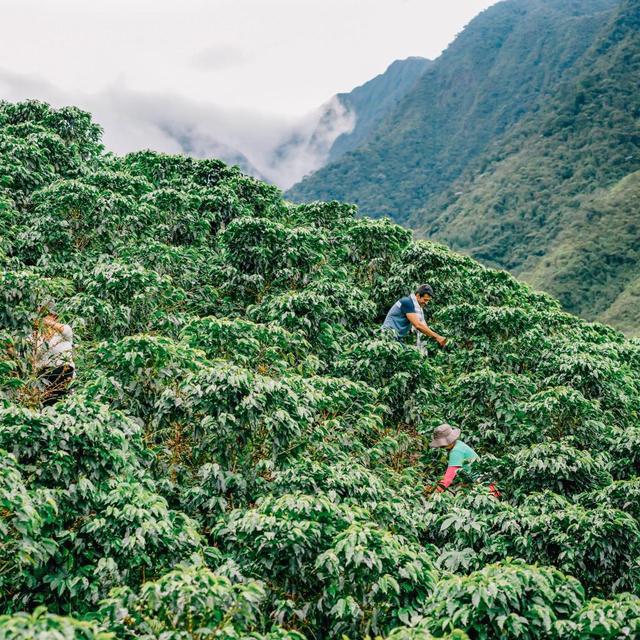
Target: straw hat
x=444 y=435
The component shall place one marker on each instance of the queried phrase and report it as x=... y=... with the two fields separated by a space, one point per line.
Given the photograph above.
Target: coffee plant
x=243 y=453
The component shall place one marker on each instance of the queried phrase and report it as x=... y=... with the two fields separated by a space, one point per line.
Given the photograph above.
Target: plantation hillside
x=244 y=453
x=519 y=147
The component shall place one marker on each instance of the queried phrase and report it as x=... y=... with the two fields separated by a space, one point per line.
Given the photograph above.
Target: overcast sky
x=279 y=56
x=236 y=73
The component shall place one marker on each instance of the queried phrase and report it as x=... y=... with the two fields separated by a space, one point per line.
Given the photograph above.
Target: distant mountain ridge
x=493 y=74
x=346 y=120
x=509 y=143
x=335 y=127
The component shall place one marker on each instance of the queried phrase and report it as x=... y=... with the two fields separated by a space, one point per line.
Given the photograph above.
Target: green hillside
x=556 y=200
x=601 y=252
x=504 y=64
x=373 y=100
x=530 y=168
x=244 y=453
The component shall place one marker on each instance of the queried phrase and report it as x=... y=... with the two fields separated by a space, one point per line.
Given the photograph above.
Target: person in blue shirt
x=407 y=313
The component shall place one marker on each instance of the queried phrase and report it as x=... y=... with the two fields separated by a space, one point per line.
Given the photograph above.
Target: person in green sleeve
x=461 y=457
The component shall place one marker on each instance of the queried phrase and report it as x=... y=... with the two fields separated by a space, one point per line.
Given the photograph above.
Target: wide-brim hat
x=444 y=435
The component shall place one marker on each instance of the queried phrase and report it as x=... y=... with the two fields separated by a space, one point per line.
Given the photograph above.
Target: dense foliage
x=374 y=100
x=244 y=452
x=519 y=147
x=558 y=195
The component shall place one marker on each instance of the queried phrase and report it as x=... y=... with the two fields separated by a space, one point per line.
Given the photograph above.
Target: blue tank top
x=397 y=317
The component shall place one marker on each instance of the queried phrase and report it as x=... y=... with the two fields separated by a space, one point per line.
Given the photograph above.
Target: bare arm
x=420 y=326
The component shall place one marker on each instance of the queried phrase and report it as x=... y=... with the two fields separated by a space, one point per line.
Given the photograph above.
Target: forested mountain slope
x=342 y=122
x=504 y=64
x=244 y=452
x=373 y=100
x=558 y=199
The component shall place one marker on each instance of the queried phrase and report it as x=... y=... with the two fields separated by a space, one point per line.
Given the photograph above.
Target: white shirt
x=55 y=351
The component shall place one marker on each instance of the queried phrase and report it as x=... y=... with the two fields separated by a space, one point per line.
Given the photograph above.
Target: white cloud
x=307 y=147
x=281 y=150
x=295 y=53
x=201 y=76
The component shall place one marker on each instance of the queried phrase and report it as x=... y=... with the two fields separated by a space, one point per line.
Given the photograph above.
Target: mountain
x=373 y=100
x=341 y=123
x=556 y=199
x=592 y=266
x=243 y=453
x=504 y=64
x=500 y=149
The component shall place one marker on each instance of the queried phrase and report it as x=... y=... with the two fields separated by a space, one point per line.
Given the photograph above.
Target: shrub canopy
x=244 y=452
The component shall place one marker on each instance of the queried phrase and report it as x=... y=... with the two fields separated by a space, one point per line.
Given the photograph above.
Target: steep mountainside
x=342 y=122
x=373 y=100
x=593 y=264
x=557 y=199
x=503 y=65
x=244 y=454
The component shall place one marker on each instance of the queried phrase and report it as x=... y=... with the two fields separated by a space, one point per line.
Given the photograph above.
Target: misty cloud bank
x=271 y=148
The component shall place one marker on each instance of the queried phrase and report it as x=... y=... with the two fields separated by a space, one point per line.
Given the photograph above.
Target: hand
x=441 y=341
x=429 y=489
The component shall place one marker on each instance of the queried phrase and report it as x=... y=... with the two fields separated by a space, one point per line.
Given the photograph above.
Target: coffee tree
x=244 y=454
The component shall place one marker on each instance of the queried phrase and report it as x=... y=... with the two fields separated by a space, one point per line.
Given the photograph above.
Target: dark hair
x=424 y=288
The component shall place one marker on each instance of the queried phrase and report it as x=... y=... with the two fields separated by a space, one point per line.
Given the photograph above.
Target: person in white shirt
x=53 y=354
